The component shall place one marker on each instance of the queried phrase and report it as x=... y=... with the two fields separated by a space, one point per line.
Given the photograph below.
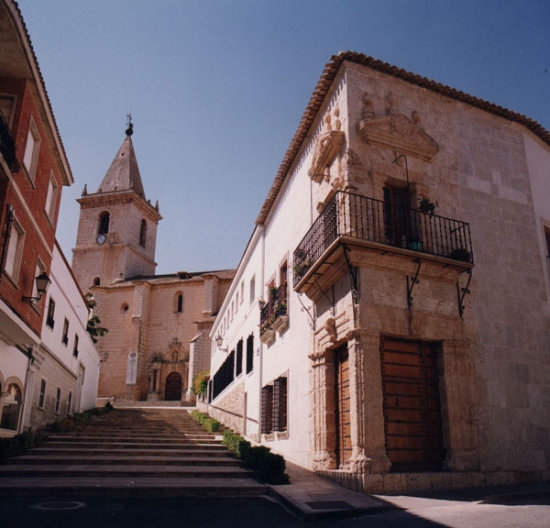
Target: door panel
x=412 y=415
x=343 y=414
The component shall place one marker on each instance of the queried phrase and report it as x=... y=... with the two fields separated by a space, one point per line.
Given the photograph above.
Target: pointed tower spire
x=123 y=174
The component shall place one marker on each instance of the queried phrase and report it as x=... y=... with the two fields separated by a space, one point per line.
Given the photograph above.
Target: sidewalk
x=312 y=497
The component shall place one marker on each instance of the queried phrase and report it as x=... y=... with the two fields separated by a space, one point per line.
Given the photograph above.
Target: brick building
x=33 y=171
x=358 y=337
x=158 y=324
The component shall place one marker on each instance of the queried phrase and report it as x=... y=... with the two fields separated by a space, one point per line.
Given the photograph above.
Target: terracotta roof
x=324 y=84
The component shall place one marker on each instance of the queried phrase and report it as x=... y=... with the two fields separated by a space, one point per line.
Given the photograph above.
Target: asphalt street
x=113 y=512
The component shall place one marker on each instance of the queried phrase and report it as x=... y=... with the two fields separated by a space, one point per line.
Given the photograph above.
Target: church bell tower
x=117 y=230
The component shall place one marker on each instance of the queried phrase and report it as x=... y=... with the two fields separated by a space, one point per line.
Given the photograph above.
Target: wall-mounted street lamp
x=219 y=342
x=42 y=283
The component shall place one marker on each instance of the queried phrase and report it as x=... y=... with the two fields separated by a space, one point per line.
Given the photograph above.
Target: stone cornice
x=116 y=198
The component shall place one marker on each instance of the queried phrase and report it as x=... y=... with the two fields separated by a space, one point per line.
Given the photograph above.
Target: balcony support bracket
x=411 y=284
x=307 y=310
x=330 y=301
x=461 y=292
x=352 y=276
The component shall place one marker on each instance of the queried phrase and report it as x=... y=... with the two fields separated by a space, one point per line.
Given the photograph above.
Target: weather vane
x=130 y=129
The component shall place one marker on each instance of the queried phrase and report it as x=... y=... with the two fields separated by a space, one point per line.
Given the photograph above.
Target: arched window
x=104 y=219
x=178 y=302
x=11 y=408
x=97 y=281
x=143 y=233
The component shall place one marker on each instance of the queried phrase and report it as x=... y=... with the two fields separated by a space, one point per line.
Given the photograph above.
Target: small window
x=65 y=336
x=125 y=307
x=57 y=400
x=239 y=359
x=69 y=402
x=97 y=281
x=180 y=303
x=177 y=302
x=51 y=310
x=42 y=396
x=143 y=233
x=32 y=147
x=275 y=406
x=250 y=353
x=51 y=198
x=104 y=220
x=252 y=289
x=75 y=346
x=15 y=251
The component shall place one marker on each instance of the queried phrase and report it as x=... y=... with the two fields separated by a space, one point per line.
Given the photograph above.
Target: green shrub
x=19 y=444
x=270 y=467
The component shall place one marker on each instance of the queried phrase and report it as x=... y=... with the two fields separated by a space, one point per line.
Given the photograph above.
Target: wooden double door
x=412 y=411
x=343 y=407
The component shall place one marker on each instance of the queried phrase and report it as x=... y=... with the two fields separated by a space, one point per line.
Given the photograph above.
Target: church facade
x=158 y=326
x=388 y=322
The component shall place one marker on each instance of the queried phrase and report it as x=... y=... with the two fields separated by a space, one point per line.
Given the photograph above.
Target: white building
x=64 y=373
x=383 y=357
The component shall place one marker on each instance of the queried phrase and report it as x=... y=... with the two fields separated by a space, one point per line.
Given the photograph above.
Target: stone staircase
x=131 y=452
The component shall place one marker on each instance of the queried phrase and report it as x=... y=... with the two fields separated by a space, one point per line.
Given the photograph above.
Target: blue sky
x=217 y=88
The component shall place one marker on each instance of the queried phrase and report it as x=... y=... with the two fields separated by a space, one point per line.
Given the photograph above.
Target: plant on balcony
x=301 y=268
x=279 y=308
x=272 y=288
x=461 y=254
x=426 y=206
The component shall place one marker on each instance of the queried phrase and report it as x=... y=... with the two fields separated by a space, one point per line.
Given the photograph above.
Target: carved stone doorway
x=172 y=390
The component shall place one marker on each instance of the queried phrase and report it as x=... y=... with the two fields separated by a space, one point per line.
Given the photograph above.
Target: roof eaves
x=324 y=84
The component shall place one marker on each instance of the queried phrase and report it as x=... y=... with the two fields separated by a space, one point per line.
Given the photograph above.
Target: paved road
x=94 y=512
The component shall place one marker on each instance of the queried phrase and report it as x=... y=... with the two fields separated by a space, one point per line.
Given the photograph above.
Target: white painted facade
x=66 y=359
x=368 y=131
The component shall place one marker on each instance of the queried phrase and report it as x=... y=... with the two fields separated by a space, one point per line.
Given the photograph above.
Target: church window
x=97 y=281
x=104 y=219
x=143 y=233
x=124 y=307
x=178 y=302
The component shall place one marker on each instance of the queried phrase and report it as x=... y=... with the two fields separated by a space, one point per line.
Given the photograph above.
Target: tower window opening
x=143 y=233
x=104 y=219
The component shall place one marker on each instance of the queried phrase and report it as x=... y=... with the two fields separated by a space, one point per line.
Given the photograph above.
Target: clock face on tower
x=101 y=238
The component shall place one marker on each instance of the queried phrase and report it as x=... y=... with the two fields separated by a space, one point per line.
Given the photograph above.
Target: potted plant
x=461 y=254
x=426 y=206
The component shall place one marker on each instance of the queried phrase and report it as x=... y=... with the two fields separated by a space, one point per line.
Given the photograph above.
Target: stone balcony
x=352 y=229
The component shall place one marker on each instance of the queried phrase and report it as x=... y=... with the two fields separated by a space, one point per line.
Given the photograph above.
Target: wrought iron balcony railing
x=7 y=146
x=381 y=223
x=274 y=307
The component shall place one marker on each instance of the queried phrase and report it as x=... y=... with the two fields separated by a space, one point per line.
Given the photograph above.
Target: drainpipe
x=260 y=359
x=30 y=359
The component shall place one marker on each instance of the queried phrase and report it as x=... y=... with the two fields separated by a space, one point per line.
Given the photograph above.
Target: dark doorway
x=172 y=390
x=343 y=407
x=412 y=413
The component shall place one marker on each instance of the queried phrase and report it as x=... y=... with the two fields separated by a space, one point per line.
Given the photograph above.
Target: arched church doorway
x=172 y=390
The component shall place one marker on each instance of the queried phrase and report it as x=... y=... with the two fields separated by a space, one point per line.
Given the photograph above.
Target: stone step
x=107 y=460
x=114 y=470
x=132 y=486
x=188 y=451
x=134 y=440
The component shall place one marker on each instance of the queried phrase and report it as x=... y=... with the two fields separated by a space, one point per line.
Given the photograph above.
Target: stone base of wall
x=407 y=482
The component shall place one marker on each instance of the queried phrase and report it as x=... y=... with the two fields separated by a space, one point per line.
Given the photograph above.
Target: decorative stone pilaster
x=323 y=435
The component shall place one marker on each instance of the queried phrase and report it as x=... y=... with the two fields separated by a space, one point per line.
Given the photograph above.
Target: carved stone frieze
x=397 y=132
x=328 y=145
